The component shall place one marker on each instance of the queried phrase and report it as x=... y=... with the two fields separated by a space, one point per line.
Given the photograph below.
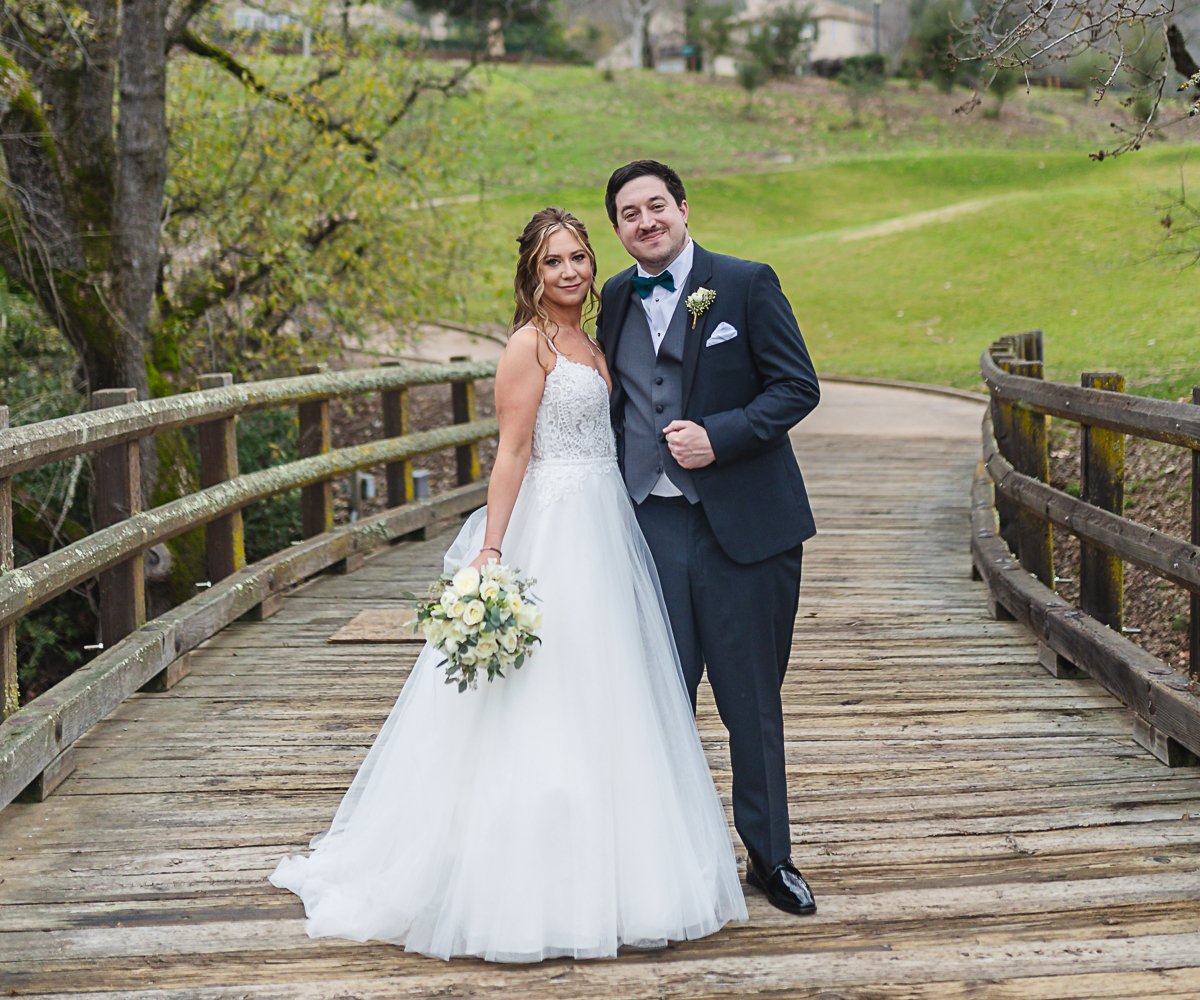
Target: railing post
x=1034 y=540
x=118 y=497
x=401 y=487
x=1029 y=346
x=1194 y=622
x=225 y=540
x=316 y=501
x=10 y=700
x=462 y=395
x=394 y=406
x=1102 y=484
x=1002 y=427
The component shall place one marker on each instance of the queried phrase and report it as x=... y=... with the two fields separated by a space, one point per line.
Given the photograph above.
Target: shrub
x=871 y=65
x=751 y=76
x=267 y=438
x=780 y=46
x=936 y=24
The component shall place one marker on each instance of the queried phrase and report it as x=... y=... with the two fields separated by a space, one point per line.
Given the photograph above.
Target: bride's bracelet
x=491 y=548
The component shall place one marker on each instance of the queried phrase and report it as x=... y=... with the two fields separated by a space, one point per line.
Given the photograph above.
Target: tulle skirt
x=563 y=810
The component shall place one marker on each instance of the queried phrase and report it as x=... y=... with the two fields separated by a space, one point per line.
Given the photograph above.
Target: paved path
x=971 y=826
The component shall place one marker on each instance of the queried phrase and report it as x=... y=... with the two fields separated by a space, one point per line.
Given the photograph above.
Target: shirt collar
x=680 y=267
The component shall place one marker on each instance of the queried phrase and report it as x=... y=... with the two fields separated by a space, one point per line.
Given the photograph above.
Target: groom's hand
x=689 y=444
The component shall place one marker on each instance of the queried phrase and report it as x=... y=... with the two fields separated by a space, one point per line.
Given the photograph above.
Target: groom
x=709 y=374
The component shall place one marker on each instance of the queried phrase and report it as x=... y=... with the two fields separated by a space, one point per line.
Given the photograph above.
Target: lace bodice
x=572 y=420
x=572 y=433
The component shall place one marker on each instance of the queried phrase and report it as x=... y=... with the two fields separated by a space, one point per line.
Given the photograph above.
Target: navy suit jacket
x=747 y=393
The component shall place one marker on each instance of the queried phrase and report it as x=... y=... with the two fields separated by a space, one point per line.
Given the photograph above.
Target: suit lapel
x=613 y=323
x=693 y=338
x=619 y=302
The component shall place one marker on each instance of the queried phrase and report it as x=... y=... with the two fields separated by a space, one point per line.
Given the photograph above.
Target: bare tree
x=1135 y=45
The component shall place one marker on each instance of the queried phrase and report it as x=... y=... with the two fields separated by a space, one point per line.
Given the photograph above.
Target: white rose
x=473 y=613
x=468 y=658
x=466 y=581
x=486 y=647
x=515 y=603
x=509 y=642
x=489 y=590
x=448 y=598
x=529 y=617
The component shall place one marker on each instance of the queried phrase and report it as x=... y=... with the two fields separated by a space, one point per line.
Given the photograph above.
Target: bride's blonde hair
x=528 y=286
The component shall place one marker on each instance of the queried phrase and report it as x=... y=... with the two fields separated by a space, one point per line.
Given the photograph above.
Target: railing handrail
x=30 y=446
x=35 y=740
x=1015 y=509
x=32 y=585
x=1172 y=558
x=42 y=732
x=1141 y=416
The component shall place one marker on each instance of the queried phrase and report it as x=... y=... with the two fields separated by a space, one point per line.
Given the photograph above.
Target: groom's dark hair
x=641 y=168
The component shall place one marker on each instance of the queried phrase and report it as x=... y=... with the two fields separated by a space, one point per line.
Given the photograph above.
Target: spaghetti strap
x=557 y=352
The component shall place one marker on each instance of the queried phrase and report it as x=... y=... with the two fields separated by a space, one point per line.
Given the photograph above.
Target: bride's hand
x=485 y=556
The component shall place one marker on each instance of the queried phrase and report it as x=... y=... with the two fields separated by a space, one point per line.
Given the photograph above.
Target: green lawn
x=1029 y=239
x=541 y=127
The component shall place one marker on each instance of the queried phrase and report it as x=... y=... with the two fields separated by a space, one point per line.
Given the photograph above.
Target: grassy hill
x=538 y=127
x=888 y=289
x=907 y=236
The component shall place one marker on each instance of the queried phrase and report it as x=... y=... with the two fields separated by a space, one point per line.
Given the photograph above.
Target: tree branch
x=309 y=107
x=176 y=28
x=1185 y=65
x=223 y=278
x=304 y=105
x=424 y=85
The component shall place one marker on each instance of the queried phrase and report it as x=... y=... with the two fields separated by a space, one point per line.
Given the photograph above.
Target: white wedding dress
x=563 y=810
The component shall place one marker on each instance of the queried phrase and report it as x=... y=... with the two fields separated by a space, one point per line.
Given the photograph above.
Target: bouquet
x=481 y=620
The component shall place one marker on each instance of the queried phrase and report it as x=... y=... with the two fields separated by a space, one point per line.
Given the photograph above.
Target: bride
x=566 y=809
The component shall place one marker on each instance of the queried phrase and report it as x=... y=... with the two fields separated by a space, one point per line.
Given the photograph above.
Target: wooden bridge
x=971 y=825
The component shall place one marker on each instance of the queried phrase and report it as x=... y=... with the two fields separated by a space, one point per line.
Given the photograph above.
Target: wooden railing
x=1015 y=511
x=35 y=739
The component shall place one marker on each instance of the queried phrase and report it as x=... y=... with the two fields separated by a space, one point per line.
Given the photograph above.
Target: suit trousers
x=735 y=620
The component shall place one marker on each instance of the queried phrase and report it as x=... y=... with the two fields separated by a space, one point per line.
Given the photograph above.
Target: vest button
x=658 y=408
x=658 y=381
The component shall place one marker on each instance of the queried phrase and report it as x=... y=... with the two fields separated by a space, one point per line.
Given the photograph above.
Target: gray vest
x=654 y=397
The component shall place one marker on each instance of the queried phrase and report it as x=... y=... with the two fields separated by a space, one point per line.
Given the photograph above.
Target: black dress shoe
x=784 y=887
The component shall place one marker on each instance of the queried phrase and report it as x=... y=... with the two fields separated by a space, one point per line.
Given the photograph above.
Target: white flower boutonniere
x=698 y=302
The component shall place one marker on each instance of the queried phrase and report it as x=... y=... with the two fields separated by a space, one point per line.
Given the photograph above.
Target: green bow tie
x=644 y=286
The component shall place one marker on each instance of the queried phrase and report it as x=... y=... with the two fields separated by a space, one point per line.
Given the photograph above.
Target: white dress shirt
x=659 y=307
x=660 y=304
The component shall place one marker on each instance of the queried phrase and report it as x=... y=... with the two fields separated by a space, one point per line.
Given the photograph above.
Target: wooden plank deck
x=971 y=826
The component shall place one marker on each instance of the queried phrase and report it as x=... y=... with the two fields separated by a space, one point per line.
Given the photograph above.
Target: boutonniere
x=698 y=302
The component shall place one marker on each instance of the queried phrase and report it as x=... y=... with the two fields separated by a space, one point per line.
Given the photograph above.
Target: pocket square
x=722 y=333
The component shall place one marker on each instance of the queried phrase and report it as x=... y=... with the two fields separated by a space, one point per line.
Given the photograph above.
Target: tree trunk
x=80 y=212
x=140 y=176
x=647 y=42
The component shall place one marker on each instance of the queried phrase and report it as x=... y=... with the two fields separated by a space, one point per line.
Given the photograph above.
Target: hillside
x=906 y=242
